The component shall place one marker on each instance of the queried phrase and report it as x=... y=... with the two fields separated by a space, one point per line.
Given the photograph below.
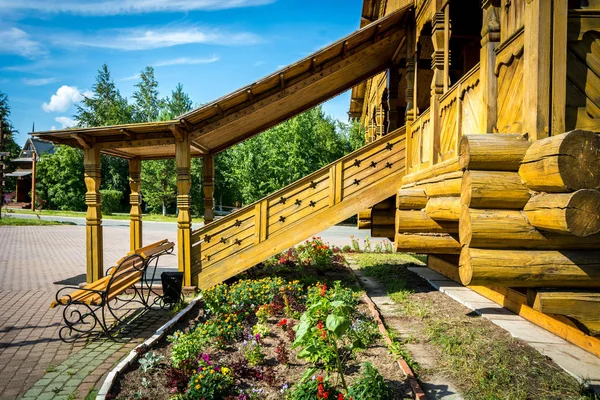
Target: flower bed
x=293 y=328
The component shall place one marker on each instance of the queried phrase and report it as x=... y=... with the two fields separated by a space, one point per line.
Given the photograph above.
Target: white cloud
x=130 y=78
x=117 y=7
x=187 y=61
x=17 y=41
x=66 y=122
x=64 y=98
x=53 y=128
x=148 y=39
x=38 y=82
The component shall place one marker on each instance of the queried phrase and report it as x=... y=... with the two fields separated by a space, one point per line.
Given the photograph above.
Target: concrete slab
x=584 y=366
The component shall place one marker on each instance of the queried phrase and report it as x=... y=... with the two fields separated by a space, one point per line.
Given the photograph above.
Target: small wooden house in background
x=33 y=149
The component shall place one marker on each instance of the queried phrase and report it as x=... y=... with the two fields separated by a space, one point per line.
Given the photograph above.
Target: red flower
x=323 y=289
x=282 y=323
x=320 y=327
x=320 y=379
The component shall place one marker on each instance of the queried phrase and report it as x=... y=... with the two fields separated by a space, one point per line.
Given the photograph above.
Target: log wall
x=519 y=214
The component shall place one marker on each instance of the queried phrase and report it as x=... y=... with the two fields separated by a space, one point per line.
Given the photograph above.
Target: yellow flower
x=212 y=371
x=225 y=370
x=197 y=387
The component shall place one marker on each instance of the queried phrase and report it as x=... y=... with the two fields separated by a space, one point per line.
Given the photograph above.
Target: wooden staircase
x=230 y=245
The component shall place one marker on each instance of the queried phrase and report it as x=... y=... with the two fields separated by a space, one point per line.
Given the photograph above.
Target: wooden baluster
x=135 y=200
x=93 y=218
x=335 y=183
x=208 y=170
x=261 y=215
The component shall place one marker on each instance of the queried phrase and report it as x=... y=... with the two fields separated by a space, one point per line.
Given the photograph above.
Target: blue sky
x=50 y=50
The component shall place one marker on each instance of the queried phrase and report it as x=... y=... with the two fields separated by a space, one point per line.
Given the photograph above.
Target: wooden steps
x=361 y=179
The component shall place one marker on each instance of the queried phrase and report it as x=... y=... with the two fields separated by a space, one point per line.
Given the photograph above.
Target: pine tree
x=106 y=106
x=178 y=104
x=9 y=144
x=147 y=104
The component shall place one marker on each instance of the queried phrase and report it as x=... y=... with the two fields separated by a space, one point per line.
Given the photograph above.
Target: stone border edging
x=133 y=355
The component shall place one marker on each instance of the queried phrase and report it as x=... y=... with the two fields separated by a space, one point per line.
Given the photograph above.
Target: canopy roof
x=252 y=109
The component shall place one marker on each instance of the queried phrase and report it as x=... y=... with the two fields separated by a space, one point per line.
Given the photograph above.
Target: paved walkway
x=35 y=261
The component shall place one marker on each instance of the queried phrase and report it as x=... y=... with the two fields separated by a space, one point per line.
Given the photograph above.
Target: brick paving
x=35 y=261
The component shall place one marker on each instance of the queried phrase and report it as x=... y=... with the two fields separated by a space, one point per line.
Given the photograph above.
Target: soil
x=130 y=383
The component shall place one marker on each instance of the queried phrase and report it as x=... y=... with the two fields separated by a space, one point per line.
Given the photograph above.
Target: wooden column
x=135 y=199
x=439 y=81
x=208 y=170
x=184 y=219
x=93 y=229
x=409 y=95
x=490 y=37
x=536 y=69
x=33 y=167
x=393 y=78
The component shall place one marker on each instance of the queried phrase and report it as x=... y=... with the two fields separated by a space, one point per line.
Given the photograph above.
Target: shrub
x=370 y=385
x=111 y=201
x=186 y=346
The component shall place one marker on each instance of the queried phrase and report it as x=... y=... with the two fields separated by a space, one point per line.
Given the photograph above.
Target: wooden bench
x=90 y=306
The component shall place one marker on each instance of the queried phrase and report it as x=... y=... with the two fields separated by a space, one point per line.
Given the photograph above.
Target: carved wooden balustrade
x=248 y=236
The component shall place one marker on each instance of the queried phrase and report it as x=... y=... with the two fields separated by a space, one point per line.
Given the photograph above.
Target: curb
x=133 y=354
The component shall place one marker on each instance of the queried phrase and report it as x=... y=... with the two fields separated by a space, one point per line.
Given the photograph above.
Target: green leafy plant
x=315 y=388
x=363 y=331
x=261 y=330
x=149 y=361
x=355 y=244
x=370 y=385
x=187 y=346
x=263 y=313
x=322 y=329
x=388 y=246
x=211 y=382
x=251 y=348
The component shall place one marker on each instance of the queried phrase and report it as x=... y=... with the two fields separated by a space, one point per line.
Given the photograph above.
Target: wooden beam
x=250 y=94
x=136 y=143
x=93 y=217
x=492 y=152
x=313 y=65
x=281 y=81
x=188 y=125
x=219 y=110
x=411 y=199
x=398 y=54
x=85 y=141
x=130 y=134
x=177 y=132
x=583 y=306
x=344 y=49
x=200 y=147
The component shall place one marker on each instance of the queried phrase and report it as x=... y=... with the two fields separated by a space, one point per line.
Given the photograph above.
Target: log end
x=583 y=213
x=464 y=267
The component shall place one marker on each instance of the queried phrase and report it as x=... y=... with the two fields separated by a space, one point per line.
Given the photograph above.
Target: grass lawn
x=14 y=221
x=483 y=360
x=81 y=214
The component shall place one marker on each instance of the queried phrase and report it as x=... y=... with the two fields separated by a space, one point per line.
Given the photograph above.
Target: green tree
x=59 y=179
x=159 y=177
x=179 y=103
x=9 y=144
x=147 y=104
x=281 y=155
x=107 y=107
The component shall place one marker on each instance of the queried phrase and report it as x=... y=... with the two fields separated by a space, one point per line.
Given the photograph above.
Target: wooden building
x=33 y=149
x=482 y=152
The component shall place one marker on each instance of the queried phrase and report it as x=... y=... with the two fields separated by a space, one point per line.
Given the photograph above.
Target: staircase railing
x=220 y=249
